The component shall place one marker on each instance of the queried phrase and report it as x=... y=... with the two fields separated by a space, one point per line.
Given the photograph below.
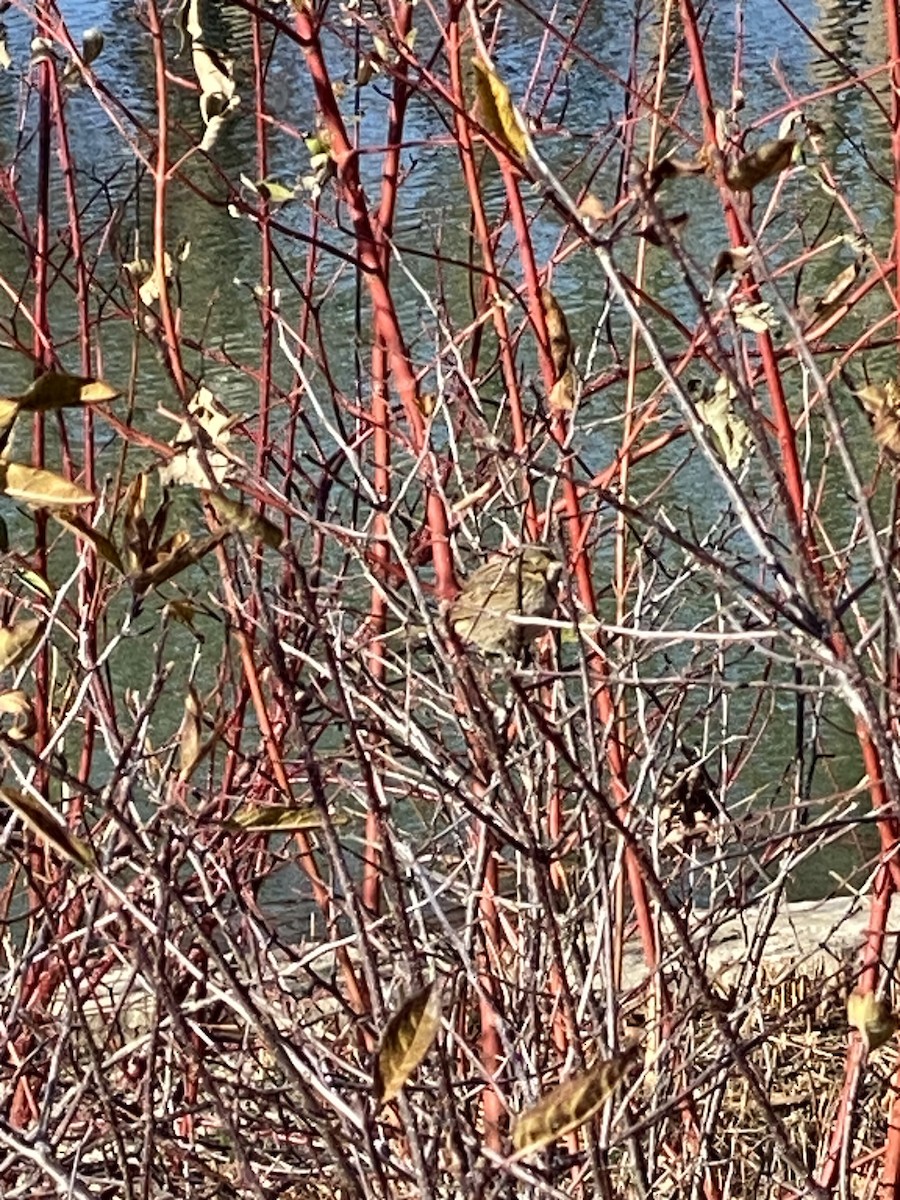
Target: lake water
x=582 y=125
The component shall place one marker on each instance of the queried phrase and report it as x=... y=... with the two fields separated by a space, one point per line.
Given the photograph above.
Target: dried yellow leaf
x=839 y=288
x=135 y=526
x=18 y=640
x=757 y=318
x=273 y=818
x=569 y=1105
x=731 y=431
x=406 y=1040
x=184 y=612
x=36 y=581
x=591 y=209
x=48 y=826
x=882 y=403
x=426 y=403
x=319 y=143
x=40 y=488
x=876 y=398
x=498 y=114
x=190 y=747
x=9 y=410
x=872 y=1016
x=210 y=424
x=562 y=394
x=56 y=390
x=104 y=547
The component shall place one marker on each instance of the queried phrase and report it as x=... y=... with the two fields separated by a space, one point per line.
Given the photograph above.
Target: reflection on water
x=852 y=35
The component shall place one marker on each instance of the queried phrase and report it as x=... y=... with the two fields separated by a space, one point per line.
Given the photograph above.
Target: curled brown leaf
x=771 y=158
x=558 y=332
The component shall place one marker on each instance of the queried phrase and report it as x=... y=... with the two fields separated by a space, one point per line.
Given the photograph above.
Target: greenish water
x=219 y=312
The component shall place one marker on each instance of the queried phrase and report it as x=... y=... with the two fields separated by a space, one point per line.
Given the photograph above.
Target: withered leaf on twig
x=882 y=404
x=570 y=1105
x=18 y=640
x=498 y=114
x=653 y=234
x=135 y=526
x=671 y=168
x=244 y=519
x=40 y=488
x=184 y=612
x=273 y=818
x=173 y=557
x=557 y=331
x=322 y=166
x=36 y=581
x=273 y=191
x=732 y=261
x=201 y=444
x=141 y=536
x=154 y=558
x=716 y=410
x=56 y=390
x=562 y=394
x=407 y=1038
x=841 y=286
x=872 y=1016
x=9 y=410
x=757 y=318
x=102 y=545
x=838 y=289
x=215 y=75
x=190 y=735
x=92 y=42
x=42 y=51
x=17 y=704
x=48 y=826
x=771 y=158
x=592 y=210
x=145 y=277
x=426 y=403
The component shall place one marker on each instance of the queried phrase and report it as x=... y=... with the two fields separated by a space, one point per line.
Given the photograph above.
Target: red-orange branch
x=385 y=319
